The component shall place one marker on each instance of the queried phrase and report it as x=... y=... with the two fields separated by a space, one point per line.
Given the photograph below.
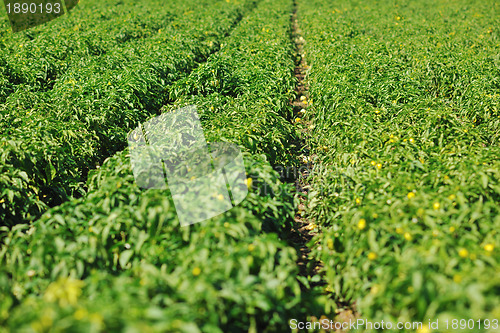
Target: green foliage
x=405 y=107
x=116 y=259
x=73 y=95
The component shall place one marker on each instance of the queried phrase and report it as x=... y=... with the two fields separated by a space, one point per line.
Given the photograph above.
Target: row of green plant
x=50 y=139
x=404 y=104
x=37 y=57
x=117 y=258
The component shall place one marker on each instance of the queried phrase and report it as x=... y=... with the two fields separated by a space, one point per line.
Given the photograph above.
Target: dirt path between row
x=305 y=228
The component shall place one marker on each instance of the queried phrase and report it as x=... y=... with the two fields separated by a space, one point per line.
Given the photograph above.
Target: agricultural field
x=390 y=107
x=406 y=107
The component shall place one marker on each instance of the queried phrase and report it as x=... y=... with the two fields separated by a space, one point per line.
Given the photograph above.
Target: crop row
x=50 y=139
x=405 y=107
x=37 y=57
x=118 y=259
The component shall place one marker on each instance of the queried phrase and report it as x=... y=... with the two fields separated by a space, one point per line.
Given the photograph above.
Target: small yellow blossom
x=452 y=197
x=423 y=329
x=311 y=226
x=196 y=271
x=358 y=201
x=489 y=247
x=411 y=140
x=399 y=230
x=329 y=243
x=410 y=195
x=361 y=224
x=372 y=256
x=251 y=247
x=65 y=291
x=452 y=229
x=248 y=182
x=220 y=197
x=379 y=166
x=457 y=278
x=463 y=253
x=80 y=314
x=436 y=205
x=408 y=236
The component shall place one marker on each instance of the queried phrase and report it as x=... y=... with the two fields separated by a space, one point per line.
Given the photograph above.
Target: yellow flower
x=372 y=256
x=374 y=215
x=436 y=205
x=251 y=247
x=457 y=278
x=377 y=111
x=463 y=253
x=311 y=226
x=452 y=229
x=410 y=195
x=220 y=197
x=423 y=329
x=408 y=236
x=399 y=230
x=80 y=314
x=489 y=247
x=452 y=197
x=373 y=163
x=65 y=291
x=379 y=166
x=248 y=182
x=358 y=201
x=297 y=120
x=329 y=243
x=361 y=224
x=196 y=271
x=411 y=140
